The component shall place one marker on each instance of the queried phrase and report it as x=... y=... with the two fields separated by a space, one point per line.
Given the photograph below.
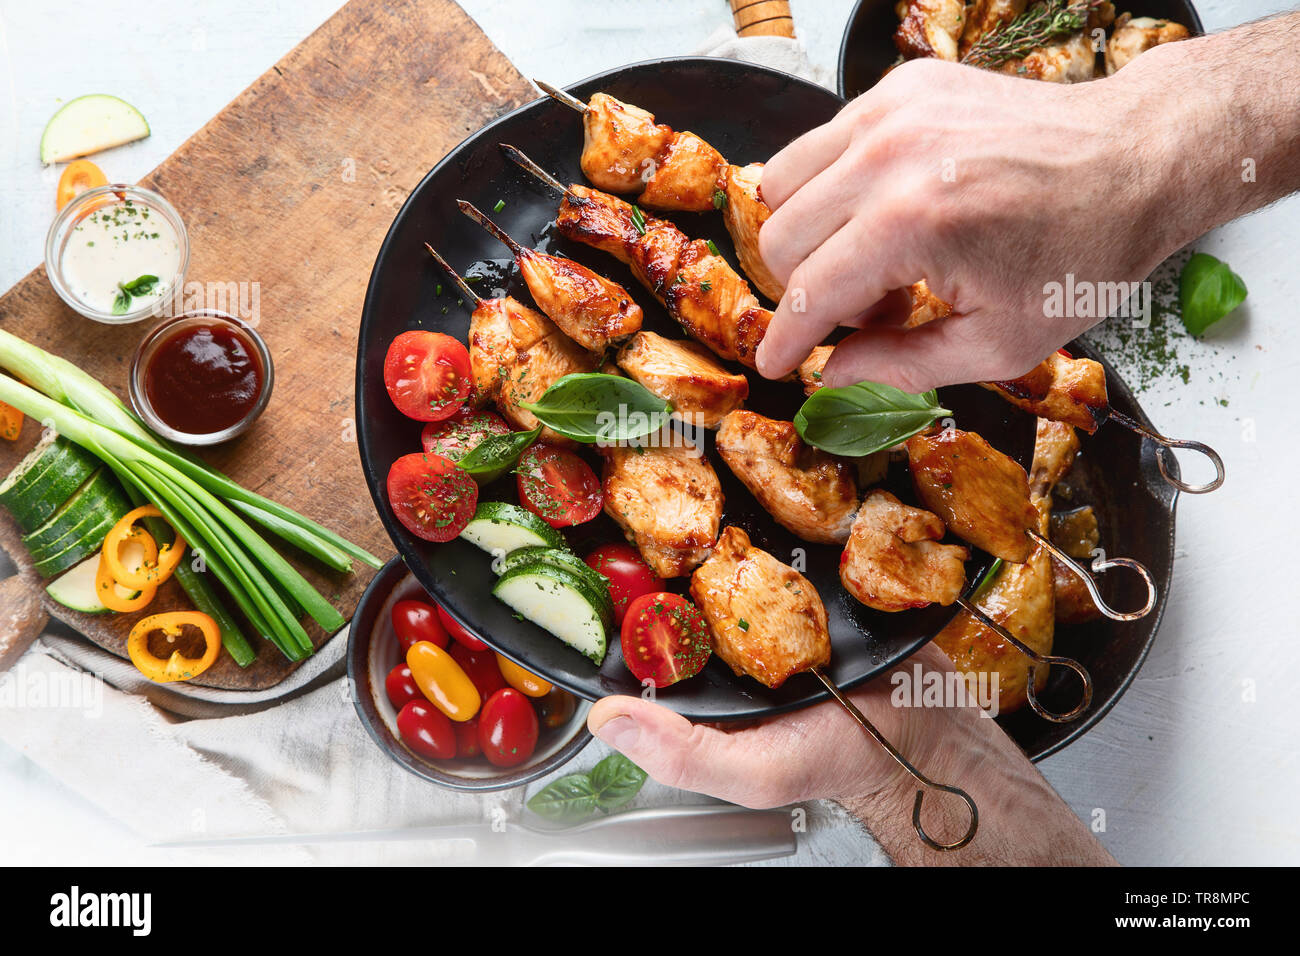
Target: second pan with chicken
x=644 y=496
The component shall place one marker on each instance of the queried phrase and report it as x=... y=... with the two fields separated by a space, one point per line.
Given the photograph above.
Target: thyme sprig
x=1038 y=26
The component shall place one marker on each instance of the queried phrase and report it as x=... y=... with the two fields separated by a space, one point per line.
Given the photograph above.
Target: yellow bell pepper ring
x=177 y=666
x=443 y=681
x=522 y=680
x=157 y=568
x=106 y=583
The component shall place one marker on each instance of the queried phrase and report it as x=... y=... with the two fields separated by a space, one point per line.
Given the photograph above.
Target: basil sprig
x=136 y=288
x=593 y=407
x=862 y=419
x=1207 y=291
x=612 y=783
x=497 y=454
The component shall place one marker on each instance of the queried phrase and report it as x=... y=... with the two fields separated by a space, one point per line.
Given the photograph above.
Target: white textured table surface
x=1197 y=764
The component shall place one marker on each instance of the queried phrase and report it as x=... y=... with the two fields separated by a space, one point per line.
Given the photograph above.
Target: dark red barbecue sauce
x=203 y=379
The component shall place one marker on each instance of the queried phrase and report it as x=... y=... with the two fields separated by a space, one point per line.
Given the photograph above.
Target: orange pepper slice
x=177 y=666
x=156 y=569
x=79 y=176
x=11 y=422
x=106 y=584
x=521 y=680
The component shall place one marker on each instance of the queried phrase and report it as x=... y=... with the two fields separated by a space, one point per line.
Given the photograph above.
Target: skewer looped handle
x=1038 y=659
x=1104 y=564
x=922 y=779
x=1166 y=447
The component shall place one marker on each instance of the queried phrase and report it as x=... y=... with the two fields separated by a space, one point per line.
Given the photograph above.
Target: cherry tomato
x=555 y=709
x=416 y=621
x=628 y=574
x=665 y=639
x=1065 y=353
x=463 y=636
x=525 y=682
x=401 y=686
x=431 y=496
x=467 y=738
x=481 y=666
x=558 y=486
x=427 y=375
x=442 y=681
x=507 y=728
x=79 y=176
x=455 y=437
x=426 y=730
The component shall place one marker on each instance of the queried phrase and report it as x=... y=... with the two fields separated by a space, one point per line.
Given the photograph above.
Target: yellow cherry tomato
x=79 y=176
x=176 y=666
x=522 y=680
x=443 y=681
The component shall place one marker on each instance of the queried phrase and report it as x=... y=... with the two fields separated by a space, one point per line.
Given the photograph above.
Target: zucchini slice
x=76 y=588
x=565 y=561
x=46 y=478
x=560 y=602
x=497 y=526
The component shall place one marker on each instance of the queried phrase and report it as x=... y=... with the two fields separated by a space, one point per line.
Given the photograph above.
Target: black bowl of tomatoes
x=446 y=706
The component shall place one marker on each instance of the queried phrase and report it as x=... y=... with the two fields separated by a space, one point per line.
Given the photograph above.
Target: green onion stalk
x=204 y=506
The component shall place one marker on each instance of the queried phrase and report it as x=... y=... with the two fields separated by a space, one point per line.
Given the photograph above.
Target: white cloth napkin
x=190 y=763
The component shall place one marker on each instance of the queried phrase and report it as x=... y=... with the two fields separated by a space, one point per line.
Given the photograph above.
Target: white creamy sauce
x=116 y=245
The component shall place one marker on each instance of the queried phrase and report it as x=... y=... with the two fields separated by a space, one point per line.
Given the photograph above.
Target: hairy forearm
x=1022 y=821
x=1222 y=130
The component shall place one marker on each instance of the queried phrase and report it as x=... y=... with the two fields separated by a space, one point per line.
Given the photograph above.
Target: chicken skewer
x=1062 y=389
x=516 y=354
x=893 y=562
x=767 y=621
x=711 y=302
x=624 y=150
x=591 y=310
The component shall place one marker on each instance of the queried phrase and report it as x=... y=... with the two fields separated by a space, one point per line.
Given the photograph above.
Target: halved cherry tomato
x=665 y=639
x=79 y=176
x=426 y=731
x=467 y=744
x=555 y=709
x=454 y=437
x=431 y=496
x=427 y=375
x=442 y=681
x=481 y=666
x=525 y=682
x=558 y=486
x=459 y=633
x=1065 y=353
x=401 y=687
x=416 y=621
x=507 y=728
x=628 y=574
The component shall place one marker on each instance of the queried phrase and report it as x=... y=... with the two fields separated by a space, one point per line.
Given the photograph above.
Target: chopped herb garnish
x=501 y=204
x=638 y=219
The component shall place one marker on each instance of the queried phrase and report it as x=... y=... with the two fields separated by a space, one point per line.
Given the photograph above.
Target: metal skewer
x=469 y=209
x=1168 y=444
x=516 y=156
x=455 y=276
x=568 y=99
x=925 y=782
x=1103 y=564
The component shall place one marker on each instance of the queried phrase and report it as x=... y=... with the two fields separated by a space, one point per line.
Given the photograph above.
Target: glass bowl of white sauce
x=117 y=254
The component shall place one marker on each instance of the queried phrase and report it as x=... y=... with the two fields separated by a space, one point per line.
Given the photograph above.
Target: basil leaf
x=142 y=285
x=862 y=419
x=616 y=781
x=497 y=454
x=594 y=407
x=1207 y=291
x=566 y=800
x=122 y=303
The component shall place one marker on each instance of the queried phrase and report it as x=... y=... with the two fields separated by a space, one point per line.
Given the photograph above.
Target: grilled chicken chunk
x=894 y=561
x=979 y=493
x=986 y=15
x=668 y=501
x=744 y=213
x=687 y=174
x=766 y=619
x=810 y=370
x=684 y=373
x=1022 y=597
x=515 y=355
x=1135 y=35
x=930 y=28
x=593 y=311
x=619 y=143
x=1072 y=60
x=710 y=301
x=807 y=491
x=1071 y=390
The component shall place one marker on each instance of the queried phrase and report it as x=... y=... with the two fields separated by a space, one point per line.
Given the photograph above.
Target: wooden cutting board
x=293 y=186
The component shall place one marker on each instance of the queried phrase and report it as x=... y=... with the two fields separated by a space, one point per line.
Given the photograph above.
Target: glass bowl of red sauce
x=201 y=378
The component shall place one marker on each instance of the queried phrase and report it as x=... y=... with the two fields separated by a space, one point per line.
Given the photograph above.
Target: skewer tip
x=560 y=96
